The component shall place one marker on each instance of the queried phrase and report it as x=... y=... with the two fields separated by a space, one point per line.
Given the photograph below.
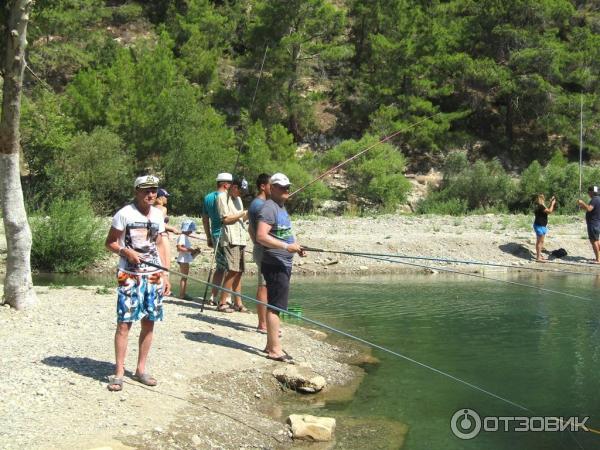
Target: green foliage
x=96 y=163
x=375 y=175
x=67 y=237
x=468 y=187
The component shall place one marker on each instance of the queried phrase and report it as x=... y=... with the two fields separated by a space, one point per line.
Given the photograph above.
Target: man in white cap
x=136 y=235
x=233 y=243
x=211 y=221
x=592 y=219
x=274 y=233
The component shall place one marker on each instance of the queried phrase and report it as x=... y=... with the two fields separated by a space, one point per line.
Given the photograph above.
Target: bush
x=434 y=205
x=69 y=238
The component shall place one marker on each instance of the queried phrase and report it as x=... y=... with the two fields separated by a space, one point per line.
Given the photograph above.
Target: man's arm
x=161 y=245
x=112 y=244
x=584 y=205
x=206 y=225
x=266 y=240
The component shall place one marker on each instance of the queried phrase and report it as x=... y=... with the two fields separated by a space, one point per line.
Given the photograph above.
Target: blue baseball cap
x=162 y=193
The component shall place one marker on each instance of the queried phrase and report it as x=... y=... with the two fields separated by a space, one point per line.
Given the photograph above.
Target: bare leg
x=217 y=279
x=539 y=245
x=185 y=269
x=261 y=295
x=596 y=248
x=121 y=336
x=236 y=286
x=227 y=284
x=273 y=348
x=145 y=342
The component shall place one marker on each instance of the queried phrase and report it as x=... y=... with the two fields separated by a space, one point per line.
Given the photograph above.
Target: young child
x=186 y=253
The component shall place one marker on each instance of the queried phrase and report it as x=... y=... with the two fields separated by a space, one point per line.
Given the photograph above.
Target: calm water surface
x=537 y=349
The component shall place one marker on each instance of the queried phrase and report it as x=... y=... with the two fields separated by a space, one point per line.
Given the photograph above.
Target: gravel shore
x=214 y=383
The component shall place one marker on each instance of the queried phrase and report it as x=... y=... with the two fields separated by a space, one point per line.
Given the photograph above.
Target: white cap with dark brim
x=146 y=181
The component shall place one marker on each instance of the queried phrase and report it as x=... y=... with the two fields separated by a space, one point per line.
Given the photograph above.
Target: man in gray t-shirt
x=274 y=233
x=592 y=219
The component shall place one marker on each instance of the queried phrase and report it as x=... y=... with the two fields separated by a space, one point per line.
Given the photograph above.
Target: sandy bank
x=215 y=387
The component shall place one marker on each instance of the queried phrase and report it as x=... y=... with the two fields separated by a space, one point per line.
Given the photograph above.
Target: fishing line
x=237 y=161
x=351 y=336
x=443 y=269
x=445 y=260
x=352 y=158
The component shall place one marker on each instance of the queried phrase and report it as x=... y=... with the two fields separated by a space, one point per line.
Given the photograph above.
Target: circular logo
x=465 y=424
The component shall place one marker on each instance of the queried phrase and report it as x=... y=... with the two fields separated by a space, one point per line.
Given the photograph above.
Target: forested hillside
x=178 y=87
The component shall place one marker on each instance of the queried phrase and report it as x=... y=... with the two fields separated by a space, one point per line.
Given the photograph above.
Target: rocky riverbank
x=505 y=239
x=216 y=388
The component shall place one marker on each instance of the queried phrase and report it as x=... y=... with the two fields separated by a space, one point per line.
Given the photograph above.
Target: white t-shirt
x=184 y=257
x=139 y=233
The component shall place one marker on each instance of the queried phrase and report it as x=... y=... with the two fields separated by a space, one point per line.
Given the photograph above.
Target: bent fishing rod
x=362 y=152
x=446 y=260
x=350 y=336
x=475 y=275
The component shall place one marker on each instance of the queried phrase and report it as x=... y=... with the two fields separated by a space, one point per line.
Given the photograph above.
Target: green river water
x=537 y=349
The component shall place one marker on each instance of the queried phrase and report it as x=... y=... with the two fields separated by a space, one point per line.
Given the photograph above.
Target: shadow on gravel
x=188 y=303
x=221 y=322
x=97 y=370
x=520 y=251
x=209 y=338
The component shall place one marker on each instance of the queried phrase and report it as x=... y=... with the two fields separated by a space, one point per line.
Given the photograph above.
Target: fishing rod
x=445 y=260
x=443 y=269
x=352 y=158
x=353 y=337
x=237 y=161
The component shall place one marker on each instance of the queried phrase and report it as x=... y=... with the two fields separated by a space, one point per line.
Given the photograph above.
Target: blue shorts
x=139 y=296
x=540 y=230
x=593 y=232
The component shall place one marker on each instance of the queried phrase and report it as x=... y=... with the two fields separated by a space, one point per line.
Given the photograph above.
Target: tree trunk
x=18 y=286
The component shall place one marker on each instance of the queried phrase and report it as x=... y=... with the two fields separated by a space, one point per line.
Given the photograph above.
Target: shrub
x=68 y=238
x=433 y=204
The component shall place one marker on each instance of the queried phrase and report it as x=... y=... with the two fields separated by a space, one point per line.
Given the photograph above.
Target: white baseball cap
x=146 y=181
x=224 y=176
x=280 y=179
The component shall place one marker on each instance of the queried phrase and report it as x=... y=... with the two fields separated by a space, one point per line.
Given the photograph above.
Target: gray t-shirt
x=278 y=218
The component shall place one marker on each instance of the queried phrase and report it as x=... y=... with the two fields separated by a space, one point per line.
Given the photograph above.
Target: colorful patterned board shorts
x=139 y=296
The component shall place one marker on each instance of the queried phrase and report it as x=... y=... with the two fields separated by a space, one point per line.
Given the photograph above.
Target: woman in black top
x=540 y=224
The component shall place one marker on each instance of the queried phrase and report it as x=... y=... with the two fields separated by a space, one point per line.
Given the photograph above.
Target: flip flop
x=145 y=378
x=115 y=384
x=282 y=358
x=261 y=331
x=225 y=309
x=241 y=309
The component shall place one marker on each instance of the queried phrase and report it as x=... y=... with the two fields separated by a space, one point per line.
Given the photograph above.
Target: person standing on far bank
x=592 y=219
x=540 y=223
x=136 y=235
x=274 y=233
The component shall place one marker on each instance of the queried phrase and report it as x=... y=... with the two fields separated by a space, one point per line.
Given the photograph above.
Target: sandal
x=241 y=308
x=145 y=378
x=115 y=384
x=282 y=358
x=261 y=331
x=225 y=308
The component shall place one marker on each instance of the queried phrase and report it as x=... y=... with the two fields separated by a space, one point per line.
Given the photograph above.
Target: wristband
x=286 y=245
x=120 y=250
